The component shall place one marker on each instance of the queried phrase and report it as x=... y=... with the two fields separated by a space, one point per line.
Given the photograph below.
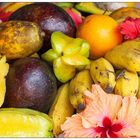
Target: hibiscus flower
x=105 y=116
x=130 y=28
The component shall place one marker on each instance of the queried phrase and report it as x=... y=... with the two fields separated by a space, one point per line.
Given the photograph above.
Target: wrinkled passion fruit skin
x=30 y=84
x=49 y=17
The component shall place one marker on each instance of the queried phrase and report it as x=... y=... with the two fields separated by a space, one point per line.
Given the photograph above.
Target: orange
x=101 y=32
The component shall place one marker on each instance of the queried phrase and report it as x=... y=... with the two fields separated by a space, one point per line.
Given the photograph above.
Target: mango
x=19 y=39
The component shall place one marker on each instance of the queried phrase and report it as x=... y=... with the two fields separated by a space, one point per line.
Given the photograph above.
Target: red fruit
x=76 y=18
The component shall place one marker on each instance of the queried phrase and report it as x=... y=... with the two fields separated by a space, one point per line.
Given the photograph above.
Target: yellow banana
x=127 y=83
x=81 y=82
x=126 y=55
x=61 y=108
x=102 y=73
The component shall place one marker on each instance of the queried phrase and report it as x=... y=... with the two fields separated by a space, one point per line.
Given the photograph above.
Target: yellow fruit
x=126 y=55
x=61 y=108
x=127 y=83
x=122 y=13
x=15 y=122
x=3 y=72
x=102 y=73
x=81 y=82
x=19 y=39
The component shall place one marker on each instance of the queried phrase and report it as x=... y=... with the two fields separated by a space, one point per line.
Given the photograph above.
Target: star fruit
x=67 y=55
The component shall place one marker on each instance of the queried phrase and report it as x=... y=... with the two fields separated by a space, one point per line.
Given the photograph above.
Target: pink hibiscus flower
x=130 y=28
x=105 y=116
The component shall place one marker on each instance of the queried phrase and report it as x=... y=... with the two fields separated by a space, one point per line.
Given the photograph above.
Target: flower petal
x=112 y=134
x=100 y=105
x=129 y=114
x=137 y=24
x=73 y=128
x=128 y=29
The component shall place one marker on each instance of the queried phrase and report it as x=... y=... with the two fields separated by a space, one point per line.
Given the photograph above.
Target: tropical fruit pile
x=70 y=69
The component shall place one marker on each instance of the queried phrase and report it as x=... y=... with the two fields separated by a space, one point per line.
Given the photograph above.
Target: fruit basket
x=70 y=69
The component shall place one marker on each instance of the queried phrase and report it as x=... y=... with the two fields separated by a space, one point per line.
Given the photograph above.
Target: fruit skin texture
x=49 y=17
x=138 y=94
x=19 y=39
x=125 y=55
x=101 y=32
x=127 y=84
x=81 y=82
x=90 y=7
x=62 y=71
x=17 y=122
x=61 y=108
x=122 y=13
x=3 y=72
x=102 y=73
x=30 y=84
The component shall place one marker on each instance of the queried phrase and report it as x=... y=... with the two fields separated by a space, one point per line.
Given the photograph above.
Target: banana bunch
x=81 y=82
x=61 y=108
x=126 y=56
x=127 y=83
x=102 y=73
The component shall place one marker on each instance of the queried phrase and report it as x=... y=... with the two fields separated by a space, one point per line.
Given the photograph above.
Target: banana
x=81 y=82
x=126 y=56
x=61 y=108
x=127 y=83
x=102 y=73
x=138 y=94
